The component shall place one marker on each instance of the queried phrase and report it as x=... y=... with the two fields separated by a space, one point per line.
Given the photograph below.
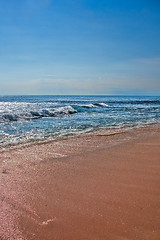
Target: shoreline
x=86 y=187
x=99 y=132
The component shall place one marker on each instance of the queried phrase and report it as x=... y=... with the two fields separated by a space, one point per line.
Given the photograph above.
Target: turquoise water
x=33 y=118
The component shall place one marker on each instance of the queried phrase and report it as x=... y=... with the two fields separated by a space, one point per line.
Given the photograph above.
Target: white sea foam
x=64 y=110
x=102 y=104
x=89 y=105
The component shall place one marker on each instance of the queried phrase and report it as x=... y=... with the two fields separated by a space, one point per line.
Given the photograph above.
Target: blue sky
x=80 y=47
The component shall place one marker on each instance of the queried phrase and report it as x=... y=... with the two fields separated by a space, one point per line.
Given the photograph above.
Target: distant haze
x=80 y=47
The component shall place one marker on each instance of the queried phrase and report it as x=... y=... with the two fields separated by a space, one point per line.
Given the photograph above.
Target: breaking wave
x=21 y=115
x=12 y=112
x=88 y=105
x=102 y=104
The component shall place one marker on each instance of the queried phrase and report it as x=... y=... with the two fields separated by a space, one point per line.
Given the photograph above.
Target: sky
x=108 y=47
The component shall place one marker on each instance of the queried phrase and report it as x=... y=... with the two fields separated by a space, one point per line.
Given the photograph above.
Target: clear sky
x=80 y=47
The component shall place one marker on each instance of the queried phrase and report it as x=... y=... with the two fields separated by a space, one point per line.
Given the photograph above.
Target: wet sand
x=95 y=187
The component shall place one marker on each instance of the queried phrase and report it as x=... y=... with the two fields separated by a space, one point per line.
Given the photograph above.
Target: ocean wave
x=21 y=115
x=94 y=105
x=102 y=104
x=88 y=105
x=67 y=110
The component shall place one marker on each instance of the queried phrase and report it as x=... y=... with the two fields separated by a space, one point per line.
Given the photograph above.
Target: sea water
x=27 y=119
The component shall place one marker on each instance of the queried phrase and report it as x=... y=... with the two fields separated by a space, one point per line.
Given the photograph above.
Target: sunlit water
x=25 y=119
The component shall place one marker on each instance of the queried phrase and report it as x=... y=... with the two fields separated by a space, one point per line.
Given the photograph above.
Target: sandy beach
x=92 y=187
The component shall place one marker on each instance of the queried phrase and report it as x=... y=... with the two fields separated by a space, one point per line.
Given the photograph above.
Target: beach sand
x=93 y=187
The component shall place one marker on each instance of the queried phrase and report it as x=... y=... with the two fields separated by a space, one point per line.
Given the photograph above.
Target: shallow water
x=26 y=119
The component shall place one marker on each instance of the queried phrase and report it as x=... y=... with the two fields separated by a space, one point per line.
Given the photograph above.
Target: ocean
x=28 y=119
